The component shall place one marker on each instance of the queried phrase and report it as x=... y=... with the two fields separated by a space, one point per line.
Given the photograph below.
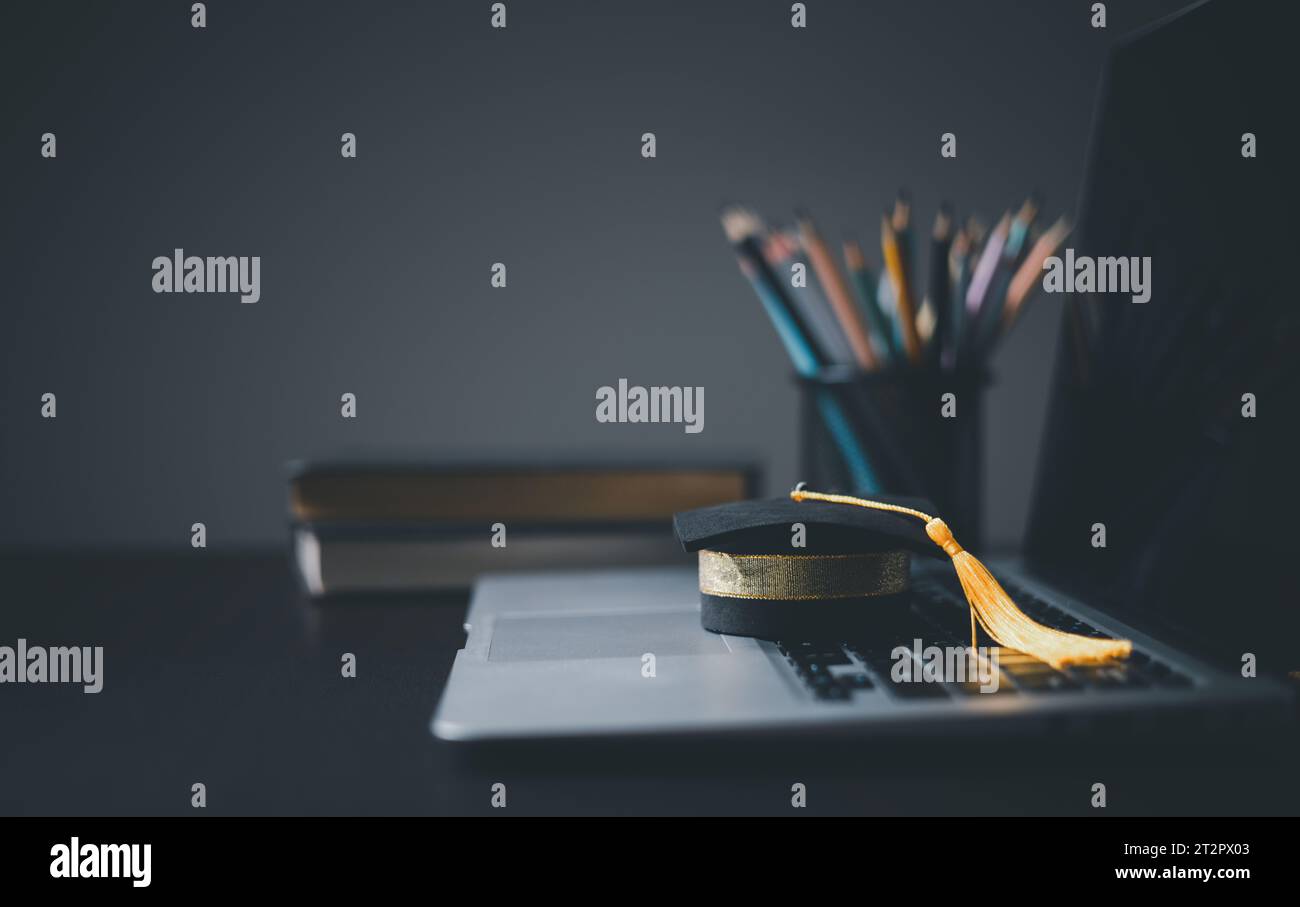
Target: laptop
x=1146 y=434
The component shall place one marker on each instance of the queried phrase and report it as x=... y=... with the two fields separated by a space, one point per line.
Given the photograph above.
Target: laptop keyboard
x=839 y=671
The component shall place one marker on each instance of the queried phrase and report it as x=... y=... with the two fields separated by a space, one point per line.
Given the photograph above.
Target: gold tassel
x=989 y=602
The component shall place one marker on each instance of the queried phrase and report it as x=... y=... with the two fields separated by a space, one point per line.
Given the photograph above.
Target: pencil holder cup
x=897 y=432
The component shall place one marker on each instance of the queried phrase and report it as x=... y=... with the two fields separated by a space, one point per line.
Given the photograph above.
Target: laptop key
x=974 y=688
x=1052 y=616
x=1154 y=672
x=952 y=621
x=833 y=692
x=917 y=690
x=1108 y=677
x=1018 y=663
x=828 y=658
x=812 y=663
x=1045 y=682
x=857 y=681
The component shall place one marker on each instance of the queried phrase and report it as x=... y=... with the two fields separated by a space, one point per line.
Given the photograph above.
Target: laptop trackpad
x=615 y=635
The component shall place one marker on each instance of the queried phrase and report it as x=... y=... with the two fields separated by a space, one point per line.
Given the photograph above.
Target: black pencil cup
x=896 y=432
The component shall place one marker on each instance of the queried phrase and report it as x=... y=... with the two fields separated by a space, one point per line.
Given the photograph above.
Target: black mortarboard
x=761 y=576
x=756 y=580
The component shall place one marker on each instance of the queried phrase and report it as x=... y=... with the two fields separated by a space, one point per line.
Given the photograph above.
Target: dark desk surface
x=217 y=669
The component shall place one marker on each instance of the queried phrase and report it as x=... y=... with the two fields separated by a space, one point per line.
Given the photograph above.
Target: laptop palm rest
x=615 y=635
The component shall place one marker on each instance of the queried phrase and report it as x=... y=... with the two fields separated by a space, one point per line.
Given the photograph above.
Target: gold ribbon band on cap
x=804 y=577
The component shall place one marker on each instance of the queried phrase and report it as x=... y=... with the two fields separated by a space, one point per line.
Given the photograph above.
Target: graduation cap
x=856 y=560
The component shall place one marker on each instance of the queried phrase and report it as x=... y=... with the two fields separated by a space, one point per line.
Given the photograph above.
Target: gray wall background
x=475 y=146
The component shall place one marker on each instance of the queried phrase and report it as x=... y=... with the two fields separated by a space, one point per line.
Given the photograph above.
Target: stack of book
x=410 y=528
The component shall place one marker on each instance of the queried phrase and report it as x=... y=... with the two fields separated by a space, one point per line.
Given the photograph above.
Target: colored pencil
x=988 y=262
x=782 y=252
x=940 y=290
x=744 y=229
x=959 y=279
x=865 y=281
x=901 y=221
x=984 y=278
x=1030 y=273
x=838 y=292
x=1019 y=229
x=905 y=309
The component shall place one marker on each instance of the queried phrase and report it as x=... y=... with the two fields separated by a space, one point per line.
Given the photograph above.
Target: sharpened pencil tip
x=943 y=224
x=902 y=213
x=854 y=260
x=1029 y=210
x=739 y=223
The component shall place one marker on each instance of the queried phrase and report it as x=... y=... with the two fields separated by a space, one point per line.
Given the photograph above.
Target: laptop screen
x=1168 y=478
